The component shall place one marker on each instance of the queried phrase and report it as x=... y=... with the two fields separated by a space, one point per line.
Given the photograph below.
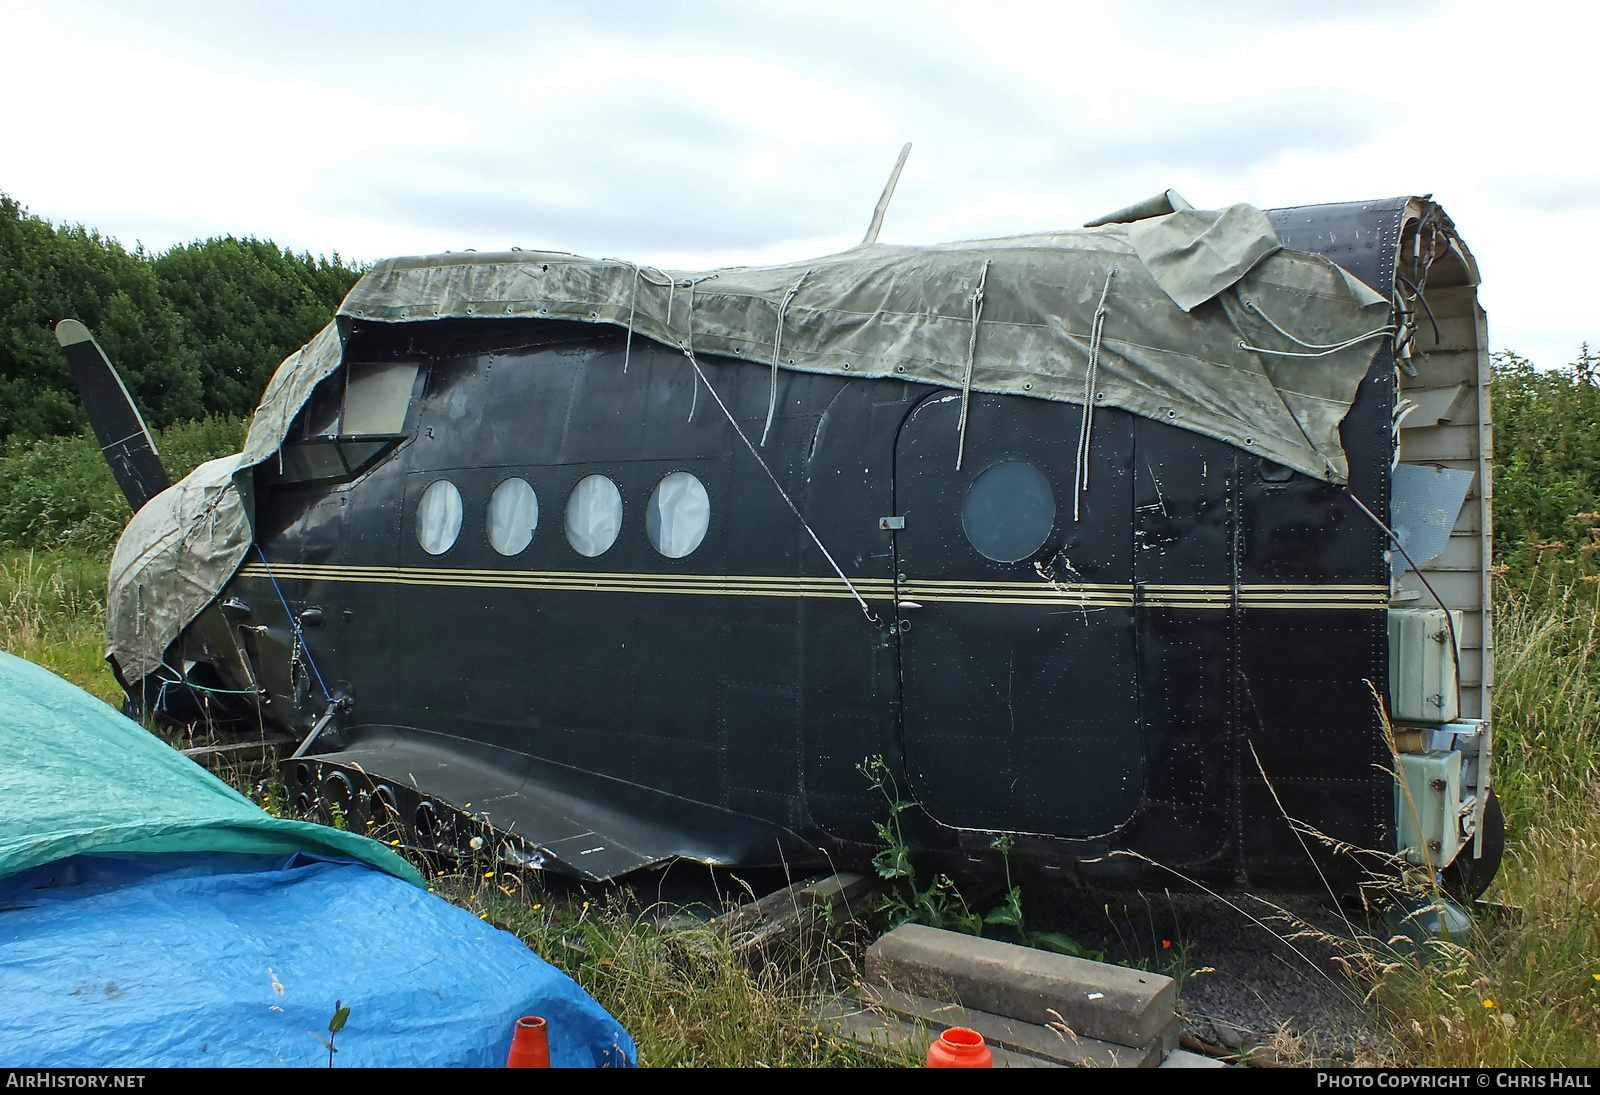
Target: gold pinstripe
x=1099 y=595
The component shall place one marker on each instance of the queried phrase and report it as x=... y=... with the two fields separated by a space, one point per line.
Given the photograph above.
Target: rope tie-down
x=777 y=351
x=1091 y=373
x=972 y=351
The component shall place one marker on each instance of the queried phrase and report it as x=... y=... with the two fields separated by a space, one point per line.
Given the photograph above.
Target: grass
x=1524 y=990
x=687 y=994
x=53 y=613
x=686 y=991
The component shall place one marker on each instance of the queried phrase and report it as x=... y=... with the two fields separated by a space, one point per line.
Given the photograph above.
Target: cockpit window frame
x=357 y=453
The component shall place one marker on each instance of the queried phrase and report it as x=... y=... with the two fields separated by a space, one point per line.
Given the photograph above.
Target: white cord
x=1091 y=373
x=1322 y=349
x=777 y=351
x=972 y=349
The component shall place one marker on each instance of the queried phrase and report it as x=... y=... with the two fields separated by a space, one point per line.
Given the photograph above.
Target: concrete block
x=1182 y=1058
x=1047 y=1043
x=1094 y=1000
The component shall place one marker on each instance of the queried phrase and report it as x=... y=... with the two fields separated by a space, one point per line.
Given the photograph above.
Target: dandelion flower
x=490 y=874
x=1488 y=1003
x=394 y=844
x=536 y=908
x=1597 y=977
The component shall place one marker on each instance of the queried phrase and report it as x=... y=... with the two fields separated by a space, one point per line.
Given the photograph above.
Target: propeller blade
x=125 y=440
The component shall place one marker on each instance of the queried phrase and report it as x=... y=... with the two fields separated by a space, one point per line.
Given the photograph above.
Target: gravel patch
x=1245 y=983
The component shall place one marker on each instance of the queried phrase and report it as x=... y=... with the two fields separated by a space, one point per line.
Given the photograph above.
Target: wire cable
x=872 y=617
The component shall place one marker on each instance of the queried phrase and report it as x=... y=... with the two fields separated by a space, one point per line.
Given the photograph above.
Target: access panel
x=1018 y=658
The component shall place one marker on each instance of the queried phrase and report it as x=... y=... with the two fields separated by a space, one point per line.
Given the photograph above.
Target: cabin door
x=1017 y=648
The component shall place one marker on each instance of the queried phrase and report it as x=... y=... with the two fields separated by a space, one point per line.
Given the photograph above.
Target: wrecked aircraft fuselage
x=1093 y=537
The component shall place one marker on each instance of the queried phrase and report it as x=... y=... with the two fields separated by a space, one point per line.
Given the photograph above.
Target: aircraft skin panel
x=701 y=703
x=1172 y=675
x=1010 y=704
x=1184 y=532
x=544 y=816
x=1310 y=726
x=744 y=681
x=1143 y=653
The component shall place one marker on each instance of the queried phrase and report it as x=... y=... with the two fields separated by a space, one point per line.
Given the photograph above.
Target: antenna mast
x=888 y=192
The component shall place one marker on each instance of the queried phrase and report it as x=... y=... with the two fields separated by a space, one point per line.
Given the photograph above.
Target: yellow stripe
x=1036 y=593
x=1037 y=583
x=1048 y=599
x=315 y=570
x=1277 y=587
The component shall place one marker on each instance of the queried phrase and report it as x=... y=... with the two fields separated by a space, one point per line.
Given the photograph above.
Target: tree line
x=196 y=330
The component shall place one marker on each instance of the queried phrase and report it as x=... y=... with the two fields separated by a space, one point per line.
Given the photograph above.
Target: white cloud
x=701 y=133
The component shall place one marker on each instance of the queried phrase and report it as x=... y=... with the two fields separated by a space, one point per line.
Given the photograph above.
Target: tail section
x=124 y=438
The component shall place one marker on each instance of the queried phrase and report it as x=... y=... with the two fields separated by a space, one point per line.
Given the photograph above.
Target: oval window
x=439 y=517
x=513 y=515
x=678 y=515
x=594 y=515
x=1009 y=511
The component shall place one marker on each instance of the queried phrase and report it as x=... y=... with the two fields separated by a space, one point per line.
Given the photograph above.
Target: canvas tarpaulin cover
x=1206 y=323
x=77 y=777
x=150 y=916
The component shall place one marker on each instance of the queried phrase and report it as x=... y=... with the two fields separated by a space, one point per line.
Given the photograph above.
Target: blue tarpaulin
x=218 y=949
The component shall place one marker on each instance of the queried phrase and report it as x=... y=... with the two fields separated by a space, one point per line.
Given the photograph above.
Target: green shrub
x=1546 y=462
x=60 y=493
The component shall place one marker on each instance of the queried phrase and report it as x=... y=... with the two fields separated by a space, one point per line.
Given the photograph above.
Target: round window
x=678 y=515
x=594 y=515
x=439 y=517
x=1009 y=511
x=513 y=515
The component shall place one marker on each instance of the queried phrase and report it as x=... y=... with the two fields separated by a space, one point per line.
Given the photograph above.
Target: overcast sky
x=702 y=134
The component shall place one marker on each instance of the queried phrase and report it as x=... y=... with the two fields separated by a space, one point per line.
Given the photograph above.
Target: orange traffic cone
x=959 y=1047
x=530 y=1044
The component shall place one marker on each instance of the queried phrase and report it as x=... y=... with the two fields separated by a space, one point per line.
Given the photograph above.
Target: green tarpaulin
x=77 y=777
